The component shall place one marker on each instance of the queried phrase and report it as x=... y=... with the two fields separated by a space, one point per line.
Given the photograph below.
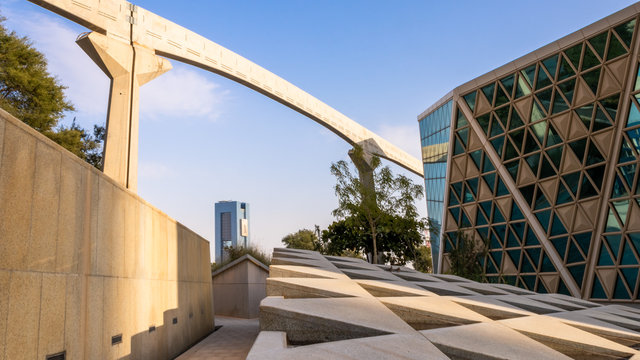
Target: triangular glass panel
x=586 y=189
x=462 y=120
x=626 y=31
x=470 y=99
x=592 y=78
x=628 y=172
x=584 y=241
x=553 y=138
x=620 y=291
x=586 y=113
x=573 y=53
x=539 y=130
x=527 y=192
x=543 y=79
x=497 y=145
x=634 y=136
x=577 y=272
x=578 y=148
x=453 y=200
x=627 y=256
x=532 y=240
x=590 y=60
x=544 y=217
x=544 y=97
x=487 y=166
x=491 y=268
x=622 y=208
x=529 y=74
x=457 y=189
x=516 y=214
x=599 y=42
x=488 y=92
x=500 y=230
x=484 y=122
x=455 y=212
x=464 y=221
x=464 y=136
x=510 y=151
x=593 y=155
x=512 y=167
x=563 y=289
x=637 y=85
x=600 y=120
x=476 y=156
x=518 y=228
x=534 y=161
x=619 y=189
x=568 y=88
x=626 y=152
x=635 y=240
x=501 y=97
x=508 y=82
x=557 y=228
x=458 y=148
x=534 y=254
x=522 y=89
x=604 y=259
x=596 y=174
x=560 y=244
x=565 y=70
x=615 y=48
x=614 y=242
x=518 y=138
x=573 y=180
x=497 y=215
x=502 y=114
x=612 y=222
x=564 y=196
x=502 y=188
x=597 y=292
x=551 y=64
x=546 y=264
x=573 y=254
x=496 y=128
x=529 y=281
x=555 y=154
x=546 y=170
x=634 y=115
x=490 y=179
x=513 y=241
x=514 y=255
x=486 y=207
x=630 y=276
x=473 y=185
x=481 y=218
x=611 y=105
x=527 y=266
x=516 y=121
x=530 y=145
x=483 y=231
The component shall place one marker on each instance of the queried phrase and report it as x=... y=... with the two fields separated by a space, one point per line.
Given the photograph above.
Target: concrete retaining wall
x=83 y=260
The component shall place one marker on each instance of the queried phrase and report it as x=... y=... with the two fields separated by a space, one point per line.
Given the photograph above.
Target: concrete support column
x=129 y=66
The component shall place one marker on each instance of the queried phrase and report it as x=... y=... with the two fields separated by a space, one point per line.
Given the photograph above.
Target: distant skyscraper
x=232 y=226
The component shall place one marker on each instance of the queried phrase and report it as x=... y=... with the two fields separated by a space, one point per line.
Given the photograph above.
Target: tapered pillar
x=129 y=67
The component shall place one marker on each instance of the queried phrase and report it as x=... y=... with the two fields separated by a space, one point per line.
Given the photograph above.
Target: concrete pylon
x=129 y=66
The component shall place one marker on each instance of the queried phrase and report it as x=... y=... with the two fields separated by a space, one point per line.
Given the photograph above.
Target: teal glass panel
x=557 y=228
x=628 y=172
x=635 y=240
x=630 y=276
x=590 y=60
x=565 y=70
x=560 y=244
x=502 y=188
x=577 y=272
x=614 y=242
x=494 y=242
x=470 y=99
x=496 y=128
x=599 y=42
x=622 y=208
x=497 y=145
x=510 y=152
x=615 y=48
x=518 y=138
x=568 y=88
x=481 y=219
x=544 y=217
x=544 y=97
x=464 y=136
x=457 y=189
x=543 y=79
x=564 y=195
x=634 y=136
x=529 y=281
x=610 y=104
x=490 y=179
x=491 y=268
x=527 y=192
x=634 y=115
x=529 y=74
x=515 y=256
x=483 y=231
x=488 y=92
x=573 y=254
x=464 y=221
x=597 y=292
x=530 y=145
x=597 y=175
x=604 y=259
x=508 y=82
x=546 y=264
x=484 y=122
x=497 y=215
x=512 y=241
x=637 y=86
x=487 y=166
x=585 y=113
x=620 y=291
x=468 y=196
x=592 y=78
x=628 y=258
x=461 y=121
x=516 y=121
x=612 y=222
x=579 y=147
x=518 y=227
x=516 y=214
x=600 y=120
x=453 y=200
x=555 y=154
x=522 y=89
x=626 y=31
x=541 y=201
x=593 y=155
x=562 y=288
x=584 y=241
x=532 y=239
x=551 y=64
x=455 y=212
x=573 y=53
x=536 y=112
x=473 y=185
x=534 y=254
x=573 y=180
x=527 y=266
x=546 y=170
x=559 y=105
x=626 y=152
x=501 y=96
x=458 y=147
x=539 y=130
x=476 y=156
x=586 y=189
x=502 y=114
x=497 y=257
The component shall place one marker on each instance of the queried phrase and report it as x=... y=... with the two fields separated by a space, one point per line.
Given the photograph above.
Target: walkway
x=232 y=341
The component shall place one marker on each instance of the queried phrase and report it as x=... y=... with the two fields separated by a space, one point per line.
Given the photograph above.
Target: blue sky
x=204 y=138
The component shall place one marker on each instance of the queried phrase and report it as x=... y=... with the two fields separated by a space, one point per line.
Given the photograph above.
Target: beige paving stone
x=601 y=328
x=445 y=288
x=294 y=271
x=313 y=288
x=392 y=288
x=490 y=307
x=528 y=304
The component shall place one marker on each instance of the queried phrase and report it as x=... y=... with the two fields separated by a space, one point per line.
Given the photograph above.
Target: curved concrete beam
x=132 y=24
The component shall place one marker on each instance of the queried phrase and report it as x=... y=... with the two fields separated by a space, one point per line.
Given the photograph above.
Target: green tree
x=464 y=258
x=377 y=217
x=302 y=239
x=423 y=261
x=31 y=94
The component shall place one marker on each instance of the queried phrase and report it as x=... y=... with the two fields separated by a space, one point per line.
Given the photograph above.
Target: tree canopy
x=302 y=239
x=31 y=94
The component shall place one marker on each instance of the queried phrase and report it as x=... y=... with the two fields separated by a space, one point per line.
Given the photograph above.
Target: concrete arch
x=141 y=29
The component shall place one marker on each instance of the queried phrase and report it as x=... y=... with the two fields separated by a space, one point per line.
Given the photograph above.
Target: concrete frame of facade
x=145 y=32
x=532 y=58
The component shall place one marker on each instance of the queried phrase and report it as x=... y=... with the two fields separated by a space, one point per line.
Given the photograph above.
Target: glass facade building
x=434 y=137
x=232 y=226
x=542 y=166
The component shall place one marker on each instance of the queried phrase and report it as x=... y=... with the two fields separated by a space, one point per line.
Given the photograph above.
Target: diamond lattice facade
x=542 y=165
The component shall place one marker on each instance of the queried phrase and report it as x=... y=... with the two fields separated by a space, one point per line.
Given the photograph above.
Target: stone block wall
x=84 y=261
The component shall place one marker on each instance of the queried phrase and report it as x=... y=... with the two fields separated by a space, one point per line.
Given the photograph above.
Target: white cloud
x=183 y=93
x=405 y=137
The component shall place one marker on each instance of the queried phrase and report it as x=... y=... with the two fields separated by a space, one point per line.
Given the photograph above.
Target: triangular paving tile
x=634 y=220
x=562 y=123
x=608 y=85
x=576 y=128
x=618 y=69
x=570 y=162
x=482 y=105
x=524 y=108
x=551 y=282
x=471 y=212
x=292 y=288
x=566 y=215
x=583 y=94
x=456 y=174
x=472 y=170
x=581 y=221
x=474 y=141
x=603 y=141
x=608 y=279
x=505 y=205
x=525 y=175
x=550 y=188
x=590 y=209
